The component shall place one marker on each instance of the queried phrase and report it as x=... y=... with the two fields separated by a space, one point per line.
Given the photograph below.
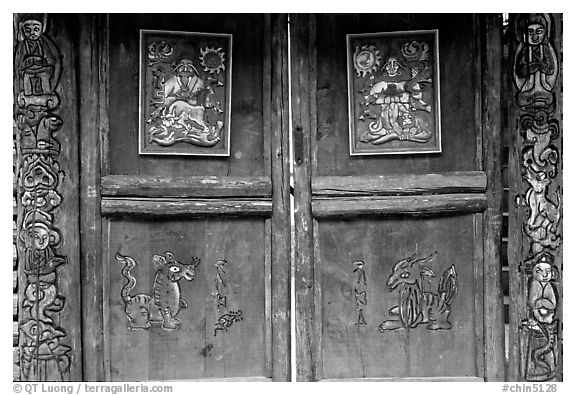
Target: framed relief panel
x=394 y=93
x=185 y=85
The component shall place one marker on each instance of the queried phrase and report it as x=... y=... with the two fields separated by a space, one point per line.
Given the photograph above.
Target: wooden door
x=185 y=257
x=397 y=256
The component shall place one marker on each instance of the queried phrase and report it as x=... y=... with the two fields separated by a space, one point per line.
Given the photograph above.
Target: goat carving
x=416 y=306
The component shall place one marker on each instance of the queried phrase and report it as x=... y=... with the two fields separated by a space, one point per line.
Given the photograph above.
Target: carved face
x=392 y=67
x=39 y=237
x=32 y=29
x=173 y=269
x=185 y=68
x=542 y=272
x=536 y=34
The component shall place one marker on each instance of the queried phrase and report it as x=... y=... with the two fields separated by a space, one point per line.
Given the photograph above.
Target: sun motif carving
x=366 y=59
x=212 y=60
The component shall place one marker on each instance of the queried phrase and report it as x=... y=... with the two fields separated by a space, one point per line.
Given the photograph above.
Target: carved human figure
x=536 y=64
x=399 y=94
x=35 y=57
x=542 y=326
x=184 y=85
x=541 y=294
x=40 y=239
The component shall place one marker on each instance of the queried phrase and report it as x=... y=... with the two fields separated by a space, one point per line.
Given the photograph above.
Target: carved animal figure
x=164 y=305
x=226 y=321
x=417 y=306
x=543 y=213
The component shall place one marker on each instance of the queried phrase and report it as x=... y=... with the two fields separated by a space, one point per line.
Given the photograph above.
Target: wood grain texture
x=185 y=207
x=489 y=27
x=193 y=186
x=423 y=206
x=351 y=351
x=459 y=143
x=278 y=129
x=246 y=123
x=400 y=184
x=91 y=56
x=303 y=72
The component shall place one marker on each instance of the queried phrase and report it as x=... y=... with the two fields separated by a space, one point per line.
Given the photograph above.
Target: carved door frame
x=313 y=200
x=86 y=187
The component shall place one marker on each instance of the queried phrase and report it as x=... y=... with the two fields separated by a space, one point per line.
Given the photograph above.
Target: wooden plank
x=280 y=224
x=408 y=379
x=400 y=184
x=399 y=205
x=193 y=186
x=491 y=28
x=188 y=207
x=479 y=299
x=15 y=305
x=89 y=58
x=301 y=31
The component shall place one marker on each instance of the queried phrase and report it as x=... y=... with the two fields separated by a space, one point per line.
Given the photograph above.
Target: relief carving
x=416 y=305
x=535 y=75
x=37 y=65
x=185 y=93
x=163 y=306
x=360 y=295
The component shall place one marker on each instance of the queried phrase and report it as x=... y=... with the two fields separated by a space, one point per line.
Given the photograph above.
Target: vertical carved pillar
x=46 y=350
x=536 y=192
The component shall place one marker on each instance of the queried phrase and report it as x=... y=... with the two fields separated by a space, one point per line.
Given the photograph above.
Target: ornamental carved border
x=44 y=354
x=535 y=76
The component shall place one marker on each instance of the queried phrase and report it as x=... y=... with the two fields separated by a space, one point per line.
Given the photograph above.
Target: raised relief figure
x=542 y=326
x=185 y=92
x=536 y=64
x=417 y=306
x=163 y=306
x=393 y=94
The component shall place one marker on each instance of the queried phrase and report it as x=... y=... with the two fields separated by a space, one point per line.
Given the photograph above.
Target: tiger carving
x=163 y=306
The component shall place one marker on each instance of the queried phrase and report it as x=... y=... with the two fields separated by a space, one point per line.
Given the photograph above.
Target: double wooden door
x=218 y=227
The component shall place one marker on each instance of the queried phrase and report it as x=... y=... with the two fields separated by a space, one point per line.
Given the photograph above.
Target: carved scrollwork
x=535 y=76
x=37 y=65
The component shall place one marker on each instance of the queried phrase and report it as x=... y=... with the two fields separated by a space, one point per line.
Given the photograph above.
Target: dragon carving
x=415 y=305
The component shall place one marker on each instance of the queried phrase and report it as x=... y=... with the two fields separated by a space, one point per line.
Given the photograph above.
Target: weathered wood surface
x=92 y=56
x=185 y=207
x=428 y=205
x=523 y=244
x=278 y=129
x=456 y=90
x=400 y=184
x=303 y=82
x=357 y=351
x=62 y=218
x=194 y=351
x=246 y=122
x=489 y=27
x=193 y=186
x=408 y=379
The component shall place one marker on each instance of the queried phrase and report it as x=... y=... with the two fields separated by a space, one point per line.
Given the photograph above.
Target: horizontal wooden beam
x=185 y=207
x=193 y=187
x=400 y=184
x=426 y=205
x=409 y=379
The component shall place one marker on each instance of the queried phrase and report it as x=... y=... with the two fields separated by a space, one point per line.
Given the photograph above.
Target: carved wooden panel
x=47 y=195
x=536 y=189
x=187 y=299
x=185 y=89
x=393 y=93
x=418 y=299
